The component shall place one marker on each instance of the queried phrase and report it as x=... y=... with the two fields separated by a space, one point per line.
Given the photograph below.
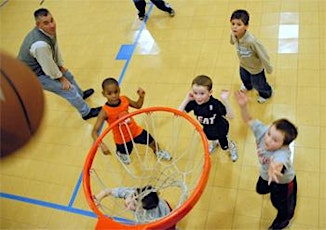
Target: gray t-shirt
x=282 y=155
x=142 y=215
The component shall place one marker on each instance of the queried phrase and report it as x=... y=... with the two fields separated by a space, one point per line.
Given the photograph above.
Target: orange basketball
x=21 y=104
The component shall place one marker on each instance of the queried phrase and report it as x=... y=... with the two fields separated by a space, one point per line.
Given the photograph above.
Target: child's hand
x=225 y=94
x=241 y=98
x=274 y=171
x=190 y=96
x=141 y=92
x=105 y=149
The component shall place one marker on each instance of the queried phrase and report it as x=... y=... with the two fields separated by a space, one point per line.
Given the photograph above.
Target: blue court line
x=127 y=50
x=58 y=207
x=48 y=204
x=125 y=53
x=74 y=194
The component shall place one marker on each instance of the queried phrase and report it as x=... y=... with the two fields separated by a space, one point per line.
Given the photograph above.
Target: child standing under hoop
x=210 y=112
x=277 y=175
x=151 y=207
x=116 y=107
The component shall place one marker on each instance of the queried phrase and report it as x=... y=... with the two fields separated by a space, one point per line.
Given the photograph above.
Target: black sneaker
x=87 y=93
x=141 y=16
x=279 y=225
x=172 y=13
x=92 y=113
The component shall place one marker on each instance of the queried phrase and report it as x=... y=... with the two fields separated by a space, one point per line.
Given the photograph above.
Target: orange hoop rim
x=177 y=214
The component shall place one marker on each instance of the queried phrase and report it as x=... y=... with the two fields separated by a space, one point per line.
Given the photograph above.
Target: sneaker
x=124 y=158
x=141 y=16
x=162 y=154
x=243 y=88
x=279 y=225
x=92 y=113
x=172 y=13
x=212 y=146
x=261 y=100
x=87 y=93
x=233 y=151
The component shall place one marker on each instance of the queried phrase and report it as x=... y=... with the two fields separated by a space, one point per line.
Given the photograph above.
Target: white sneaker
x=243 y=88
x=162 y=154
x=124 y=158
x=212 y=146
x=261 y=100
x=233 y=151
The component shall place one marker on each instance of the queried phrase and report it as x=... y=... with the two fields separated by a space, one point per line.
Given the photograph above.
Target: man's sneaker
x=87 y=93
x=162 y=154
x=233 y=151
x=92 y=113
x=172 y=13
x=243 y=88
x=124 y=158
x=261 y=100
x=212 y=146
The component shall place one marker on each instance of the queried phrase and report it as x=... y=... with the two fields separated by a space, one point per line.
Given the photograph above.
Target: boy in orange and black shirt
x=125 y=134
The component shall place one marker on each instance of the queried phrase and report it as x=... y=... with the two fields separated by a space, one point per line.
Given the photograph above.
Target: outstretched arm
x=96 y=129
x=139 y=103
x=274 y=171
x=99 y=197
x=225 y=99
x=189 y=97
x=242 y=101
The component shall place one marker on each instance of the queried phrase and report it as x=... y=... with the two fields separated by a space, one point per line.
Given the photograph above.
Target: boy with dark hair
x=144 y=202
x=124 y=135
x=253 y=57
x=277 y=175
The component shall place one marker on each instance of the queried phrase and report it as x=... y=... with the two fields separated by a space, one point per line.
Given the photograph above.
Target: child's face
x=273 y=139
x=112 y=93
x=201 y=94
x=238 y=28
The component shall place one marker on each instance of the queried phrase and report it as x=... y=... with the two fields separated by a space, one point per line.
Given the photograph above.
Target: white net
x=174 y=180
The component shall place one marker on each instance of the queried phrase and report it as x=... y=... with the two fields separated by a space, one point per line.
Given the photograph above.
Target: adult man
x=40 y=51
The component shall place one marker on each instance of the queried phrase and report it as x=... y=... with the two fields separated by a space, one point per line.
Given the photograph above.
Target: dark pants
x=256 y=81
x=144 y=138
x=283 y=197
x=141 y=4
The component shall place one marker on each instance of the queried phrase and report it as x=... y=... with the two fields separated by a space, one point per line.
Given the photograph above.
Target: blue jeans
x=256 y=81
x=73 y=94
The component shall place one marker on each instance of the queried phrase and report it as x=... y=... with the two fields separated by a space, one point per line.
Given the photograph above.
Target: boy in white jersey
x=277 y=175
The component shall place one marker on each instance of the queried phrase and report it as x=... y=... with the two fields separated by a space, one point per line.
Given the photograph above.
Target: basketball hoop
x=180 y=181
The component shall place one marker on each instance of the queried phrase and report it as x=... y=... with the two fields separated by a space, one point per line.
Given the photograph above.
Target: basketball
x=21 y=104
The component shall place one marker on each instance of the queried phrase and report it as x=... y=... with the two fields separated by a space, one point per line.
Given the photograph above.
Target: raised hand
x=241 y=98
x=274 y=172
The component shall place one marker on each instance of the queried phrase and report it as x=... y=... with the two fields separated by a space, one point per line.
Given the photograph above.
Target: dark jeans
x=283 y=197
x=141 y=4
x=256 y=81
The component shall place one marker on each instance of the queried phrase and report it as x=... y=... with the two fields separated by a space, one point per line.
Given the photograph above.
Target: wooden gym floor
x=40 y=183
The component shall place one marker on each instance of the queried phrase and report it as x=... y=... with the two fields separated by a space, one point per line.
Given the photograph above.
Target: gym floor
x=41 y=183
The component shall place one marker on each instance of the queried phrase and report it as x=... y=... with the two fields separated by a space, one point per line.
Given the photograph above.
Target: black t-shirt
x=211 y=116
